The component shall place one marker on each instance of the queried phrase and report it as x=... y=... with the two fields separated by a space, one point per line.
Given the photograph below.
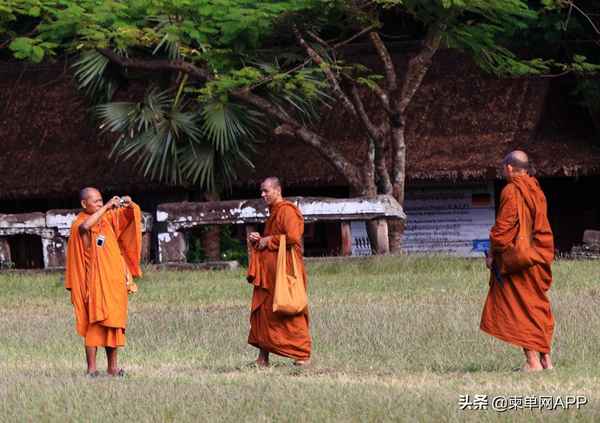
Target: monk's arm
x=88 y=224
x=126 y=216
x=505 y=229
x=294 y=229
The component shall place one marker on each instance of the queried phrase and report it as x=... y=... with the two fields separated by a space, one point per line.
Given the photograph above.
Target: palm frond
x=175 y=143
x=226 y=124
x=92 y=78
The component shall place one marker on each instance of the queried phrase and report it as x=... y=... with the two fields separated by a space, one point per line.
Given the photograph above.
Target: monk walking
x=103 y=254
x=271 y=332
x=517 y=309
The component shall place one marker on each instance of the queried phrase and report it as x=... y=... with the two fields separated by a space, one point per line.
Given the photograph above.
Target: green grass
x=395 y=339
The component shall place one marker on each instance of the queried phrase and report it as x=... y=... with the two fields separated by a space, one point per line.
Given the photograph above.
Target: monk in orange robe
x=103 y=254
x=517 y=309
x=271 y=332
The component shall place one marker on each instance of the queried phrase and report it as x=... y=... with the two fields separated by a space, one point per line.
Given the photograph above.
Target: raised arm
x=88 y=224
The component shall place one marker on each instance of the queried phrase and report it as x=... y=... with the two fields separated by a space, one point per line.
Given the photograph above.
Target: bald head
x=270 y=190
x=86 y=192
x=517 y=159
x=273 y=181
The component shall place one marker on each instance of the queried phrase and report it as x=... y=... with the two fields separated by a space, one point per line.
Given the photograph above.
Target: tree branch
x=333 y=80
x=156 y=65
x=378 y=140
x=391 y=79
x=289 y=126
x=419 y=65
x=372 y=130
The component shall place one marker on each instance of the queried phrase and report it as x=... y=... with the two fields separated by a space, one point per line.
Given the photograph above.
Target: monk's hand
x=126 y=200
x=113 y=203
x=253 y=237
x=489 y=261
x=262 y=243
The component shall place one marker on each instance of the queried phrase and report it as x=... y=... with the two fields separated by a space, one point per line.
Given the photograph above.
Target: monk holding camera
x=103 y=254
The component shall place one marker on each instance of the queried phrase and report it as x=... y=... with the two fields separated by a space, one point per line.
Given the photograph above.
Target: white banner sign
x=453 y=221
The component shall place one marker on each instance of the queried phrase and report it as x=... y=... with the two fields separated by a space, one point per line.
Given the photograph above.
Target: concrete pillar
x=382 y=238
x=5 y=257
x=54 y=250
x=172 y=247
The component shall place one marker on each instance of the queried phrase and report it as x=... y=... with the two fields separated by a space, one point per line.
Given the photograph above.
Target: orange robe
x=96 y=275
x=518 y=309
x=287 y=336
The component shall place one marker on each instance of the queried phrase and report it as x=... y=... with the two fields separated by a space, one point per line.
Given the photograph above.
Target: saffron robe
x=97 y=274
x=518 y=309
x=287 y=336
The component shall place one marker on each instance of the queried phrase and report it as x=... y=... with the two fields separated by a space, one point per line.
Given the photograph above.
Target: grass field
x=395 y=339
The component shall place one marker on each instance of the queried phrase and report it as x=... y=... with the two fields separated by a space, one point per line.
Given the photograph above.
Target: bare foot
x=262 y=363
x=263 y=358
x=302 y=363
x=116 y=372
x=528 y=368
x=546 y=361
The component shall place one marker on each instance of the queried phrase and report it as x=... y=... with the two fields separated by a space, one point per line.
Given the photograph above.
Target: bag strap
x=281 y=253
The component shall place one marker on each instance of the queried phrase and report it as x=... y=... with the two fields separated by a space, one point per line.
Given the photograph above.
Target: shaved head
x=273 y=181
x=517 y=159
x=86 y=192
x=270 y=190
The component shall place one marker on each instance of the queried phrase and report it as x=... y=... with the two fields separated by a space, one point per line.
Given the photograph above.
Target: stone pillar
x=5 y=257
x=211 y=242
x=54 y=249
x=146 y=247
x=172 y=247
x=346 y=247
x=382 y=239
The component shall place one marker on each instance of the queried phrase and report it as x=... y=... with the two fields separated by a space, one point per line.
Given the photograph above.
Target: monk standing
x=103 y=255
x=517 y=309
x=271 y=332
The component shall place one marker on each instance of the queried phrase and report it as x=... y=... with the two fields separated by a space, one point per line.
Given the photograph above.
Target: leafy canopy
x=195 y=129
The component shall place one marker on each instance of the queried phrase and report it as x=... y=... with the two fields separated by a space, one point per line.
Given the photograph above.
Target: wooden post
x=346 y=247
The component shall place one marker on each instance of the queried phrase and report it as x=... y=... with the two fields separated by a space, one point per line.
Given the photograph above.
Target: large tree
x=221 y=70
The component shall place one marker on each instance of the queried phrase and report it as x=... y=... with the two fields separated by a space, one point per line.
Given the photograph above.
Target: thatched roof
x=460 y=125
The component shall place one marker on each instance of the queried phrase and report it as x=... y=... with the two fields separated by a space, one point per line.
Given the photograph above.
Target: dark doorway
x=26 y=251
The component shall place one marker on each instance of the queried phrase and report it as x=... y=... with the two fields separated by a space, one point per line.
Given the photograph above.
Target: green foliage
x=232 y=248
x=190 y=129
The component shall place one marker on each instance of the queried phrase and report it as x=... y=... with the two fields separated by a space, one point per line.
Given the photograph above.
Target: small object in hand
x=122 y=202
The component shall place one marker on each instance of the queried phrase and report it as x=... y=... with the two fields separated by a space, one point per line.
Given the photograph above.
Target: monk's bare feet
x=116 y=372
x=263 y=359
x=546 y=361
x=528 y=368
x=533 y=363
x=302 y=363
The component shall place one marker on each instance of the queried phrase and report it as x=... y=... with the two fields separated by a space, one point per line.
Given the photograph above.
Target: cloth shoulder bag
x=290 y=295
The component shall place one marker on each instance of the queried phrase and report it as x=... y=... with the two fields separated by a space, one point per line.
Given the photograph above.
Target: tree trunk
x=396 y=227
